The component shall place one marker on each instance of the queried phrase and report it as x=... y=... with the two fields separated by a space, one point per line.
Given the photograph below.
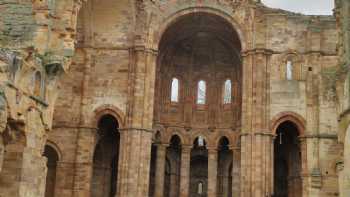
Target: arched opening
x=174 y=90
x=172 y=168
x=105 y=159
x=224 y=185
x=203 y=50
x=52 y=159
x=199 y=169
x=201 y=92
x=287 y=161
x=289 y=70
x=200 y=49
x=227 y=96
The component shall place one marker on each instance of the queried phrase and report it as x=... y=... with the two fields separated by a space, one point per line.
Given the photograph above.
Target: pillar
x=134 y=162
x=136 y=136
x=185 y=171
x=212 y=171
x=83 y=162
x=236 y=172
x=160 y=170
x=255 y=123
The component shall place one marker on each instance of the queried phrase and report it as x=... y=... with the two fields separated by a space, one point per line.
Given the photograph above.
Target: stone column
x=185 y=171
x=83 y=162
x=212 y=170
x=255 y=122
x=160 y=170
x=64 y=175
x=134 y=162
x=136 y=137
x=236 y=171
x=304 y=175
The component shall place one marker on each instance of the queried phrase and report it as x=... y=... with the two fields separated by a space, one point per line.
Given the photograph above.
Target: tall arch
x=172 y=167
x=195 y=44
x=52 y=158
x=106 y=158
x=199 y=168
x=177 y=15
x=225 y=161
x=287 y=161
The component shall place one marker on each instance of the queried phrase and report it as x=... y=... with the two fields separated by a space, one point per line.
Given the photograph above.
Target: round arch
x=175 y=134
x=174 y=17
x=54 y=146
x=108 y=110
x=220 y=137
x=293 y=117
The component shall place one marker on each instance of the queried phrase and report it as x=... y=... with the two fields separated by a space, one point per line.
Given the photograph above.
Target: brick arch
x=54 y=146
x=207 y=139
x=111 y=110
x=218 y=138
x=175 y=16
x=173 y=133
x=293 y=117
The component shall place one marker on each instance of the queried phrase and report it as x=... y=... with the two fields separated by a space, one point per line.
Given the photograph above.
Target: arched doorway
x=52 y=159
x=199 y=169
x=287 y=161
x=105 y=159
x=224 y=185
x=172 y=168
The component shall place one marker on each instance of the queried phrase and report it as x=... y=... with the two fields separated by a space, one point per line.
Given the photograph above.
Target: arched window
x=37 y=84
x=200 y=188
x=201 y=92
x=227 y=92
x=289 y=70
x=52 y=158
x=174 y=90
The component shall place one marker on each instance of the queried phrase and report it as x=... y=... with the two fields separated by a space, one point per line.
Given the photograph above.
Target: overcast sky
x=312 y=7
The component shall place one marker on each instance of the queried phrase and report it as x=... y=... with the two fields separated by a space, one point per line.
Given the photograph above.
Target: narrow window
x=200 y=188
x=289 y=70
x=201 y=92
x=227 y=92
x=174 y=90
x=37 y=84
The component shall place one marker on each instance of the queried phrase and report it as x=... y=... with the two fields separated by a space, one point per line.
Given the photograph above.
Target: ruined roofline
x=271 y=10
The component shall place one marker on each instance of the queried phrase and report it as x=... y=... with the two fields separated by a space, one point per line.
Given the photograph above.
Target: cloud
x=312 y=7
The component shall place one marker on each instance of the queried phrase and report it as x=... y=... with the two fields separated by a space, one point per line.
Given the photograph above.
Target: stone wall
x=101 y=57
x=342 y=13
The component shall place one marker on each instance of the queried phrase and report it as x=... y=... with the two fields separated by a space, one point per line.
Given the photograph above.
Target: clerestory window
x=201 y=92
x=227 y=92
x=174 y=90
x=289 y=70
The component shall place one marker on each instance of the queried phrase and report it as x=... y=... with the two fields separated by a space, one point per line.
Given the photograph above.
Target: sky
x=310 y=7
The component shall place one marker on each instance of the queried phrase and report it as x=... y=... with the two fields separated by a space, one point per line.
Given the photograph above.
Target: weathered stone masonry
x=86 y=105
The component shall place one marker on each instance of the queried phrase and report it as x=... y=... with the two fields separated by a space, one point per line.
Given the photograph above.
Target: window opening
x=227 y=92
x=201 y=92
x=174 y=90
